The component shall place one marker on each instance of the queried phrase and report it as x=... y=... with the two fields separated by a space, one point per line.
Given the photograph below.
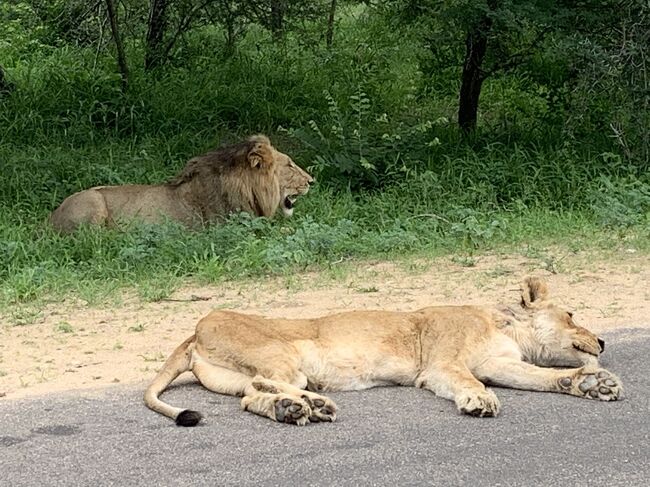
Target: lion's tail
x=178 y=362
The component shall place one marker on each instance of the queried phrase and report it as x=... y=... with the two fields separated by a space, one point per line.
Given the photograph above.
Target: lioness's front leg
x=456 y=382
x=589 y=382
x=592 y=383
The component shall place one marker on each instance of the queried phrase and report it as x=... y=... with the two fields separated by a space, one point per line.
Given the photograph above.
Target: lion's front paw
x=322 y=408
x=292 y=410
x=484 y=403
x=597 y=384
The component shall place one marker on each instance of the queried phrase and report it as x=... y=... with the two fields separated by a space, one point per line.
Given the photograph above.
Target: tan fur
x=251 y=176
x=294 y=182
x=281 y=367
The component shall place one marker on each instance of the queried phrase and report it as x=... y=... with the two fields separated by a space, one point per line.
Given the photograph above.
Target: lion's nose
x=601 y=343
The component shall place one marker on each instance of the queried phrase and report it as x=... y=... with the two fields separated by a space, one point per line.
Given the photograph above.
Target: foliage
x=621 y=203
x=578 y=55
x=351 y=147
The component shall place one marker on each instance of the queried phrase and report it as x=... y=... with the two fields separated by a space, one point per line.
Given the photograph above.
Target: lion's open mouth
x=288 y=202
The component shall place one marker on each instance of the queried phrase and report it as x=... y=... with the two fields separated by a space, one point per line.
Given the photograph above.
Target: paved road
x=383 y=437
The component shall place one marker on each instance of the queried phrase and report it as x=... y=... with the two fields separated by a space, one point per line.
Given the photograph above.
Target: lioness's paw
x=291 y=410
x=322 y=408
x=483 y=404
x=264 y=385
x=597 y=384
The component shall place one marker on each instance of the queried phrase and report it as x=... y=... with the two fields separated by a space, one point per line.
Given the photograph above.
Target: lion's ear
x=533 y=291
x=261 y=155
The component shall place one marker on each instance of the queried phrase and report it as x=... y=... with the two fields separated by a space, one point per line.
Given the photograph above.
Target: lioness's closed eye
x=282 y=367
x=250 y=176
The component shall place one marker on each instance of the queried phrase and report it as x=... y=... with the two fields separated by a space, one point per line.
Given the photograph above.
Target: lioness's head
x=294 y=181
x=561 y=342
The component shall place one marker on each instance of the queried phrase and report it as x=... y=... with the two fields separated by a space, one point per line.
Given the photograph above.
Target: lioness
x=250 y=176
x=282 y=366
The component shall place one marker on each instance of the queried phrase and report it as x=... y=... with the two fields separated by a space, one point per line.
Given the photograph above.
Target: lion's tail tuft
x=188 y=418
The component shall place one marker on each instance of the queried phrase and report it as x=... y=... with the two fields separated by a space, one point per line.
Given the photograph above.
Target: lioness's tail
x=177 y=363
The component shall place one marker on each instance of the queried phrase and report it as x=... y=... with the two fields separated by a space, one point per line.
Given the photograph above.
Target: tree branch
x=518 y=57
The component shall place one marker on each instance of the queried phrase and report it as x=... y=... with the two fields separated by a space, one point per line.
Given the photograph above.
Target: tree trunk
x=5 y=86
x=121 y=58
x=231 y=36
x=329 y=37
x=155 y=54
x=277 y=19
x=473 y=75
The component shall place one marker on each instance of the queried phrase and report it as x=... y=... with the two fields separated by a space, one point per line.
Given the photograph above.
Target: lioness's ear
x=533 y=291
x=261 y=154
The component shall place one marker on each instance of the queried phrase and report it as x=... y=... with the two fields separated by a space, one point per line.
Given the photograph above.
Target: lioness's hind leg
x=322 y=407
x=220 y=379
x=265 y=399
x=283 y=408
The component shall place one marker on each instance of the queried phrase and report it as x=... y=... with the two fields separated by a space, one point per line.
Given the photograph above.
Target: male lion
x=281 y=366
x=250 y=176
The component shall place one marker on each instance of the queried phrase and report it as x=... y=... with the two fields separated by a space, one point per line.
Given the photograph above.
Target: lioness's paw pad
x=599 y=384
x=482 y=404
x=292 y=410
x=322 y=408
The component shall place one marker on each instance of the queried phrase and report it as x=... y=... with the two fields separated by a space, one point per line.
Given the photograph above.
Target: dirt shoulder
x=71 y=346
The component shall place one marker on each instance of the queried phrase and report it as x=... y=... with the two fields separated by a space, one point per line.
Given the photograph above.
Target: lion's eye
x=570 y=314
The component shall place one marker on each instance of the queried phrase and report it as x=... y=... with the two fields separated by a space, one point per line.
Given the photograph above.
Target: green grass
x=63 y=327
x=328 y=227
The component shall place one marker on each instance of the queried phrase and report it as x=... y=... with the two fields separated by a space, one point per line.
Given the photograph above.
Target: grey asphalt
x=383 y=436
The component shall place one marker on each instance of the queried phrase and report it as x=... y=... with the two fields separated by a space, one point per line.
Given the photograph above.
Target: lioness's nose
x=601 y=343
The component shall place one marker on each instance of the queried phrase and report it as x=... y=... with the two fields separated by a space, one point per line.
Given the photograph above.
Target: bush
x=620 y=203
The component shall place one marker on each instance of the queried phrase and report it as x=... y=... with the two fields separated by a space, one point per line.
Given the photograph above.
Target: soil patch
x=70 y=345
